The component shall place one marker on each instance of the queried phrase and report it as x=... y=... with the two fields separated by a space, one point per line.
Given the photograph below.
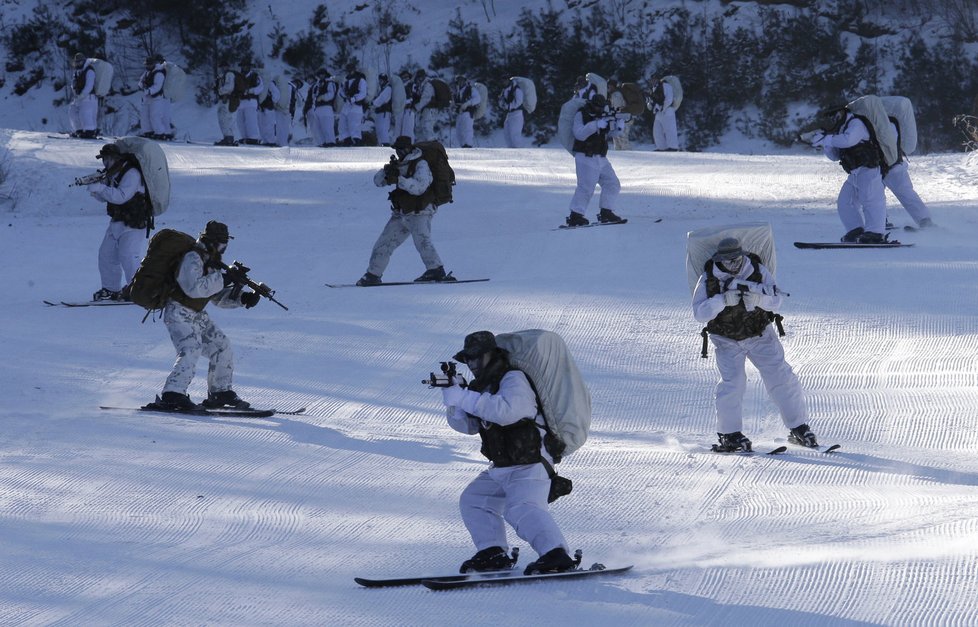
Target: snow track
x=127 y=518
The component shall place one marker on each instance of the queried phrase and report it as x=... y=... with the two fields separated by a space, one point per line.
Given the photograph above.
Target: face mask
x=733 y=265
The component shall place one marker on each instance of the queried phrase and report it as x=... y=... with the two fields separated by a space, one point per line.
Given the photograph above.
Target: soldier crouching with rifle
x=200 y=280
x=121 y=187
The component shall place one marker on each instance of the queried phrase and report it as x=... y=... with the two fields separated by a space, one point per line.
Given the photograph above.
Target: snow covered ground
x=115 y=517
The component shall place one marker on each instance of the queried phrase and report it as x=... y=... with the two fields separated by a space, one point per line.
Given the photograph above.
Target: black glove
x=228 y=279
x=249 y=299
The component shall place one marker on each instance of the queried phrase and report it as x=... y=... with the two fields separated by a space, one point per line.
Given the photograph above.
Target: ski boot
x=369 y=279
x=803 y=436
x=435 y=275
x=868 y=237
x=852 y=236
x=576 y=219
x=493 y=558
x=174 y=401
x=607 y=216
x=554 y=561
x=225 y=398
x=730 y=442
x=106 y=294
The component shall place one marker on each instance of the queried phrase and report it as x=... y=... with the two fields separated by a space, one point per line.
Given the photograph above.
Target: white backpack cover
x=677 y=90
x=902 y=109
x=174 y=82
x=529 y=93
x=565 y=123
x=398 y=97
x=103 y=76
x=597 y=81
x=871 y=108
x=152 y=162
x=480 y=109
x=701 y=244
x=565 y=399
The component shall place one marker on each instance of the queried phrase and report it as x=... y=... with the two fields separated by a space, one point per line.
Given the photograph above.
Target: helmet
x=597 y=102
x=460 y=78
x=476 y=345
x=728 y=250
x=351 y=67
x=383 y=78
x=216 y=233
x=109 y=150
x=402 y=143
x=78 y=60
x=322 y=73
x=421 y=73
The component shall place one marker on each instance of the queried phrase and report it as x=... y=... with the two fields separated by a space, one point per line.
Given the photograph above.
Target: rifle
x=444 y=380
x=237 y=272
x=391 y=171
x=90 y=179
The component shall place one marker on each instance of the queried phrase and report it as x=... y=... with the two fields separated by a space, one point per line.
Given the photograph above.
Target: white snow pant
x=513 y=129
x=224 y=119
x=427 y=132
x=382 y=125
x=266 y=126
x=407 y=123
x=767 y=355
x=621 y=140
x=323 y=131
x=396 y=232
x=897 y=180
x=351 y=122
x=120 y=254
x=664 y=132
x=83 y=113
x=283 y=127
x=145 y=117
x=157 y=113
x=247 y=118
x=194 y=334
x=591 y=171
x=863 y=189
x=516 y=495
x=464 y=129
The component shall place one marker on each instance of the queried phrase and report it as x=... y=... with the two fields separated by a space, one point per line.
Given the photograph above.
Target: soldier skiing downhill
x=735 y=296
x=501 y=406
x=413 y=207
x=593 y=125
x=123 y=191
x=199 y=281
x=862 y=202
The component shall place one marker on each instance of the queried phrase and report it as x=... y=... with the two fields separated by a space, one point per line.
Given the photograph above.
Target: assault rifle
x=90 y=179
x=391 y=171
x=237 y=272
x=445 y=379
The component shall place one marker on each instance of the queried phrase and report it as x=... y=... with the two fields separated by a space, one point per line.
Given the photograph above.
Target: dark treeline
x=765 y=81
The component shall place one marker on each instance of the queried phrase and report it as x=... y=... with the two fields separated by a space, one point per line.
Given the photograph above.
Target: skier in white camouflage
x=199 y=282
x=594 y=123
x=735 y=296
x=412 y=210
x=83 y=110
x=501 y=406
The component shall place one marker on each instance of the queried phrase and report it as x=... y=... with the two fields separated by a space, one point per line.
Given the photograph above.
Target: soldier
x=467 y=100
x=83 y=110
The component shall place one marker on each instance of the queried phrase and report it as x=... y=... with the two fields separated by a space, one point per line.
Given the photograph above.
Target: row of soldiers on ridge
x=334 y=110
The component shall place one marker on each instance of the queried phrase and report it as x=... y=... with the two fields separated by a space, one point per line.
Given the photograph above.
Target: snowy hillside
x=116 y=517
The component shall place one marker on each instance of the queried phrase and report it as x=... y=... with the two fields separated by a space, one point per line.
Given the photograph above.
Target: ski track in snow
x=127 y=518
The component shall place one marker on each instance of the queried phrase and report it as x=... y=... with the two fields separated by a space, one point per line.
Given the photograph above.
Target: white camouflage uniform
x=83 y=110
x=514 y=494
x=401 y=225
x=194 y=333
x=863 y=188
x=122 y=246
x=764 y=351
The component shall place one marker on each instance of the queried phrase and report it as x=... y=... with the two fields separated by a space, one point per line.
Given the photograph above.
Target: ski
x=415 y=581
x=88 y=303
x=565 y=227
x=828 y=449
x=409 y=283
x=819 y=245
x=202 y=411
x=67 y=136
x=776 y=451
x=486 y=579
